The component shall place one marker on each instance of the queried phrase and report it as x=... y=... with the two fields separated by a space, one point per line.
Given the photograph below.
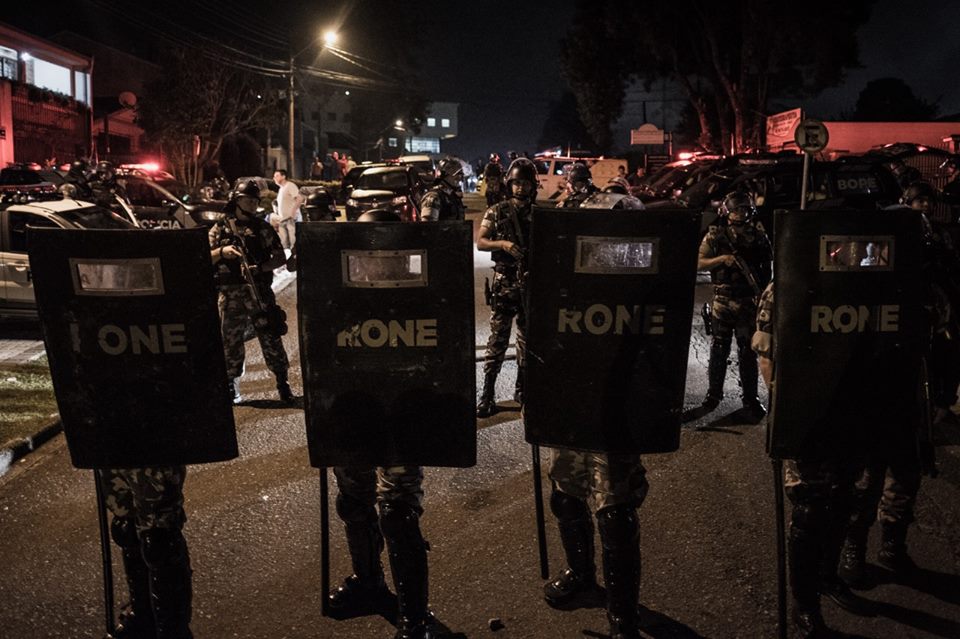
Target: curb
x=17 y=449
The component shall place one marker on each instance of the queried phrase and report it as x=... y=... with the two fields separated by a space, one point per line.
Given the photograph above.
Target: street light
x=399 y=123
x=329 y=38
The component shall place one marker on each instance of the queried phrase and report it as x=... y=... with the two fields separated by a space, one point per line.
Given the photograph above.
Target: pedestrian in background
x=288 y=208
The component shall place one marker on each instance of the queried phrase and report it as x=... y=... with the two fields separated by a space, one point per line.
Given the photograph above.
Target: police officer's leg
x=233 y=321
x=501 y=321
x=521 y=346
x=808 y=486
x=619 y=488
x=900 y=490
x=746 y=312
x=273 y=352
x=723 y=326
x=136 y=619
x=356 y=506
x=866 y=493
x=158 y=494
x=399 y=489
x=570 y=483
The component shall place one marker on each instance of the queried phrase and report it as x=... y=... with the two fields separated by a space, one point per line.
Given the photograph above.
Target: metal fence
x=43 y=129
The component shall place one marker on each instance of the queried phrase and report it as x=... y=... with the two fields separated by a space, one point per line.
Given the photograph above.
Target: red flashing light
x=143 y=166
x=685 y=155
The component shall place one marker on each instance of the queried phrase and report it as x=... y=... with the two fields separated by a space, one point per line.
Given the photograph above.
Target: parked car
x=29 y=179
x=426 y=167
x=350 y=179
x=16 y=282
x=396 y=188
x=168 y=204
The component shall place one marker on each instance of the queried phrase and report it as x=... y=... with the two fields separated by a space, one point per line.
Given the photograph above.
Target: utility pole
x=290 y=110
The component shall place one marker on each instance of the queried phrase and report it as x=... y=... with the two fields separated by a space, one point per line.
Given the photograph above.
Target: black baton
x=781 y=550
x=106 y=557
x=541 y=525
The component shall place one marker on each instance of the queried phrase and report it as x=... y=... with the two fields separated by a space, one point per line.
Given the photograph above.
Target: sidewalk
x=15 y=351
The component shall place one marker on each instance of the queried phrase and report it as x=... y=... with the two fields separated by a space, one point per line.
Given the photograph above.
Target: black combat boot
x=576 y=535
x=716 y=373
x=136 y=618
x=808 y=526
x=488 y=405
x=171 y=588
x=361 y=591
x=518 y=387
x=407 y=550
x=620 y=540
x=852 y=568
x=283 y=388
x=893 y=549
x=233 y=388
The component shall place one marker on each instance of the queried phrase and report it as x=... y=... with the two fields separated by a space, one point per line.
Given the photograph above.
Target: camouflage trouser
x=152 y=497
x=237 y=307
x=507 y=304
x=891 y=480
x=733 y=316
x=604 y=479
x=368 y=485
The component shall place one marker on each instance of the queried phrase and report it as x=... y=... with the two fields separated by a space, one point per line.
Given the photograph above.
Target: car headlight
x=210 y=216
x=351 y=202
x=400 y=199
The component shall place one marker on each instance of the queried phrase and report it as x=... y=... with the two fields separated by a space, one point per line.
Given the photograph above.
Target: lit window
x=445 y=123
x=392 y=142
x=8 y=63
x=431 y=122
x=51 y=76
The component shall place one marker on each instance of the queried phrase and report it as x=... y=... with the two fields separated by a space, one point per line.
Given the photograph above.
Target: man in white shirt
x=288 y=208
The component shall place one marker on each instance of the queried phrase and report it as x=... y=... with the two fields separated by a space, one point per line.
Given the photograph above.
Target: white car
x=16 y=281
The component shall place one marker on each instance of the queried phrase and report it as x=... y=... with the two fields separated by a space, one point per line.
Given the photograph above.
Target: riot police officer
x=579 y=186
x=737 y=253
x=890 y=479
x=244 y=241
x=147 y=525
x=398 y=492
x=493 y=180
x=505 y=231
x=444 y=199
x=77 y=179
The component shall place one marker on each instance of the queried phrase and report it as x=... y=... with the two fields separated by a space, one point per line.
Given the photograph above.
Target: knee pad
x=163 y=547
x=566 y=506
x=398 y=520
x=354 y=511
x=618 y=524
x=124 y=532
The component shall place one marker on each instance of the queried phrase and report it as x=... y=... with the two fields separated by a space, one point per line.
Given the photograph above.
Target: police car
x=16 y=281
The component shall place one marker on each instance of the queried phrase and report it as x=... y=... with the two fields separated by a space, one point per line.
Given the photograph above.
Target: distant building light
x=431 y=122
x=26 y=57
x=346 y=93
x=399 y=123
x=445 y=123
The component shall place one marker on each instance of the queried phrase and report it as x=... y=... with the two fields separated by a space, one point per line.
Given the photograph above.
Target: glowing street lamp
x=330 y=37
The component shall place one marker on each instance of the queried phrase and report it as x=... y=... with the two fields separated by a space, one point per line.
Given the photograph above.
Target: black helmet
x=617 y=185
x=247 y=188
x=379 y=215
x=522 y=169
x=579 y=172
x=103 y=166
x=495 y=158
x=917 y=190
x=317 y=199
x=738 y=201
x=79 y=166
x=451 y=170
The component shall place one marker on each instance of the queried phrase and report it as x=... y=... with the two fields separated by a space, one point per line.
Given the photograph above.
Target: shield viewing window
x=612 y=255
x=142 y=276
x=384 y=269
x=856 y=253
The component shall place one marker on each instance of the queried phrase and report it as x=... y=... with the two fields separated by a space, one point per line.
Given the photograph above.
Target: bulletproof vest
x=451 y=207
x=492 y=170
x=506 y=229
x=229 y=272
x=578 y=198
x=751 y=244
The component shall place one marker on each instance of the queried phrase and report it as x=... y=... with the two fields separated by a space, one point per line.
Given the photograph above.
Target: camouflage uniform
x=574 y=200
x=603 y=479
x=734 y=307
x=507 y=291
x=236 y=302
x=148 y=519
x=441 y=203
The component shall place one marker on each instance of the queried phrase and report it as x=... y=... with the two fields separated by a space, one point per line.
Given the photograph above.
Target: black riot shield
x=387 y=343
x=133 y=339
x=848 y=329
x=610 y=308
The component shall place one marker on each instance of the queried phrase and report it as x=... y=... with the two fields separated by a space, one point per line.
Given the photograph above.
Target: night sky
x=499 y=59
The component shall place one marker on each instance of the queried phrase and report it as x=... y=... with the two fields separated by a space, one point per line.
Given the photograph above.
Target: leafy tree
x=729 y=58
x=891 y=100
x=564 y=127
x=194 y=105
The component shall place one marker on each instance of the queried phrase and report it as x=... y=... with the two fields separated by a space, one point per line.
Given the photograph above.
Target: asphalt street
x=707 y=534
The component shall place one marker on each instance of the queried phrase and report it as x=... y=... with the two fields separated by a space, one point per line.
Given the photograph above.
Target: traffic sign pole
x=811 y=137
